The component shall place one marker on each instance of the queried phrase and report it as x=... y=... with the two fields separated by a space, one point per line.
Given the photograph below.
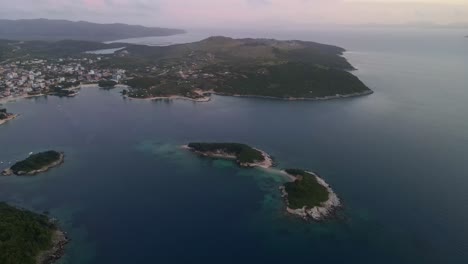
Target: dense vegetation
x=294 y=79
x=145 y=87
x=3 y=114
x=305 y=191
x=67 y=85
x=244 y=153
x=258 y=67
x=36 y=162
x=23 y=235
x=107 y=83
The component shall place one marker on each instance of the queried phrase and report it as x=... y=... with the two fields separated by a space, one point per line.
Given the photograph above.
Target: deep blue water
x=398 y=159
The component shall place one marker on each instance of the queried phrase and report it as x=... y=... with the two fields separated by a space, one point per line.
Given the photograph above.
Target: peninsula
x=305 y=195
x=45 y=241
x=5 y=116
x=288 y=70
x=291 y=70
x=36 y=163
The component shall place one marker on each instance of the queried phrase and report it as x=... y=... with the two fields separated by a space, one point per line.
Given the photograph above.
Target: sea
x=398 y=159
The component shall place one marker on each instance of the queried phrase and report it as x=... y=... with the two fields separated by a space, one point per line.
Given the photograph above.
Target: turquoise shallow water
x=397 y=158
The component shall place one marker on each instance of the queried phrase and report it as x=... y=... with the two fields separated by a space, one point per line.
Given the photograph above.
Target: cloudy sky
x=241 y=13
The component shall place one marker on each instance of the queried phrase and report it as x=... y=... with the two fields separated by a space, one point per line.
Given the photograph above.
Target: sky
x=241 y=13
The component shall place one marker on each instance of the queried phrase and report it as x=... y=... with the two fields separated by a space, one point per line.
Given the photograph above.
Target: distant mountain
x=45 y=29
x=423 y=25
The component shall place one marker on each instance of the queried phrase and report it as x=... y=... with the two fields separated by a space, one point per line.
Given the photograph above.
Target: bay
x=398 y=159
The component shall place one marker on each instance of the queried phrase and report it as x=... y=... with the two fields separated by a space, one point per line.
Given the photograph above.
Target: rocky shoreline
x=317 y=213
x=9 y=118
x=8 y=172
x=266 y=163
x=324 y=98
x=208 y=98
x=57 y=251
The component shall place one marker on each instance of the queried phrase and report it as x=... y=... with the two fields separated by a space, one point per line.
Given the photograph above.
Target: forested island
x=29 y=238
x=5 y=116
x=306 y=195
x=244 y=155
x=36 y=163
x=309 y=196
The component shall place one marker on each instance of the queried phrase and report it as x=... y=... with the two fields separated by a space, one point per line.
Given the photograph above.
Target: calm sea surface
x=398 y=159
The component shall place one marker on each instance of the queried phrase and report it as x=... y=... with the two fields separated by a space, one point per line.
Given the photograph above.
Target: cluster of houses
x=30 y=77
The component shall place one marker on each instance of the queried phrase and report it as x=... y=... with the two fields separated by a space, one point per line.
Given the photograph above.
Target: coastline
x=9 y=118
x=89 y=85
x=317 y=213
x=171 y=97
x=12 y=99
x=208 y=98
x=265 y=164
x=324 y=98
x=57 y=251
x=9 y=172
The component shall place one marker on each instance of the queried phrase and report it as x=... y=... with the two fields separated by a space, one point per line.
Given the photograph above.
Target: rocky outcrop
x=8 y=117
x=318 y=213
x=57 y=251
x=7 y=172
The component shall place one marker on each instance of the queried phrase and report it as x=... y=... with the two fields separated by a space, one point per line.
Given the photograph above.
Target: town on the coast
x=33 y=77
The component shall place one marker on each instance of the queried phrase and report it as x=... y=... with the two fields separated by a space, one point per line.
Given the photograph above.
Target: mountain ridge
x=53 y=30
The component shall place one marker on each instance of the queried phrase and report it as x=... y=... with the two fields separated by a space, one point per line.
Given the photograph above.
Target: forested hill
x=45 y=29
x=249 y=67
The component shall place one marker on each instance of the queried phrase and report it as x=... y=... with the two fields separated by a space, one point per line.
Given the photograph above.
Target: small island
x=309 y=196
x=45 y=241
x=5 y=116
x=244 y=155
x=306 y=195
x=36 y=163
